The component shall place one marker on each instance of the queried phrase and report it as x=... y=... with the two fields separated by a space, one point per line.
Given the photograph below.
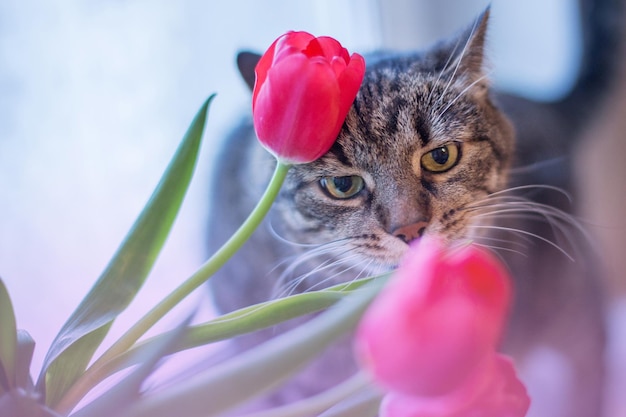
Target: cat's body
x=424 y=150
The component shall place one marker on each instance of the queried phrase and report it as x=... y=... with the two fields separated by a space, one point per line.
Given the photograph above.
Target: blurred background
x=95 y=96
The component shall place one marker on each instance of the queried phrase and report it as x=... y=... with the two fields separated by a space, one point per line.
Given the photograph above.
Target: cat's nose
x=410 y=232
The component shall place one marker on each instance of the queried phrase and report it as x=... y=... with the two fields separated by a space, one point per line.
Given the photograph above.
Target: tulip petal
x=294 y=107
x=300 y=39
x=313 y=49
x=436 y=322
x=350 y=81
x=338 y=65
x=496 y=392
x=260 y=71
x=333 y=49
x=290 y=42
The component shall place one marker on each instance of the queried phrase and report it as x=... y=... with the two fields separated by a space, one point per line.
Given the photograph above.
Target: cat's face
x=421 y=146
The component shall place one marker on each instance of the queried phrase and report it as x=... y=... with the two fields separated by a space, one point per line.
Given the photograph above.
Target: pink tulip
x=304 y=89
x=430 y=338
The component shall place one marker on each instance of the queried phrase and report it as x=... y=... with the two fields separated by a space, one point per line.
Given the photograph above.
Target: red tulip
x=430 y=337
x=304 y=89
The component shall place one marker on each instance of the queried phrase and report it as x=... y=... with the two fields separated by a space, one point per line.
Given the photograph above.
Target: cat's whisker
x=463 y=242
x=338 y=273
x=366 y=271
x=493 y=200
x=294 y=260
x=536 y=166
x=561 y=223
x=283 y=239
x=502 y=205
x=461 y=94
x=522 y=245
x=459 y=59
x=309 y=255
x=514 y=209
x=365 y=267
x=334 y=260
x=292 y=287
x=483 y=241
x=337 y=256
x=374 y=268
x=525 y=188
x=527 y=233
x=497 y=248
x=297 y=260
x=444 y=69
x=292 y=242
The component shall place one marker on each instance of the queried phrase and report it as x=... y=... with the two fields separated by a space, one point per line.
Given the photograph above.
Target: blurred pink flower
x=496 y=392
x=430 y=338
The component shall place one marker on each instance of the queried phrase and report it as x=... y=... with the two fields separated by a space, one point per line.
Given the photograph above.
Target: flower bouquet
x=427 y=343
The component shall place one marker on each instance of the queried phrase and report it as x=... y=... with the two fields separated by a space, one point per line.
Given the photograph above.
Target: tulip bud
x=437 y=322
x=303 y=91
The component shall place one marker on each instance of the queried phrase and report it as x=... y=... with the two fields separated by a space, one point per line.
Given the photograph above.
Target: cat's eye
x=441 y=159
x=342 y=187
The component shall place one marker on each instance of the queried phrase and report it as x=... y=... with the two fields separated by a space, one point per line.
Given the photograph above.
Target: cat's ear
x=468 y=51
x=246 y=62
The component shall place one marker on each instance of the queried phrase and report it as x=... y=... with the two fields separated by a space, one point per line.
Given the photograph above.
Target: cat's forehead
x=391 y=79
x=401 y=99
x=405 y=105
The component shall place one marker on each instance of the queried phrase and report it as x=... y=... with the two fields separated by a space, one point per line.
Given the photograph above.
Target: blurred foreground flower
x=304 y=89
x=430 y=338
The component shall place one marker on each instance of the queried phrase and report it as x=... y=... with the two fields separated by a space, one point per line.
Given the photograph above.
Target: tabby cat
x=426 y=149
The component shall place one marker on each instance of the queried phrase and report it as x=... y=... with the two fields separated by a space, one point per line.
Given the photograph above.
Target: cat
x=429 y=149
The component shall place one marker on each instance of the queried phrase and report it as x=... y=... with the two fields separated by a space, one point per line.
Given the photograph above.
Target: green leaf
x=230 y=325
x=8 y=340
x=356 y=387
x=81 y=335
x=91 y=376
x=64 y=371
x=126 y=392
x=245 y=320
x=25 y=349
x=365 y=405
x=257 y=370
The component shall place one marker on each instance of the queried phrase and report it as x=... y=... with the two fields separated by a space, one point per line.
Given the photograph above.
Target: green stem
x=365 y=405
x=256 y=371
x=245 y=320
x=93 y=375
